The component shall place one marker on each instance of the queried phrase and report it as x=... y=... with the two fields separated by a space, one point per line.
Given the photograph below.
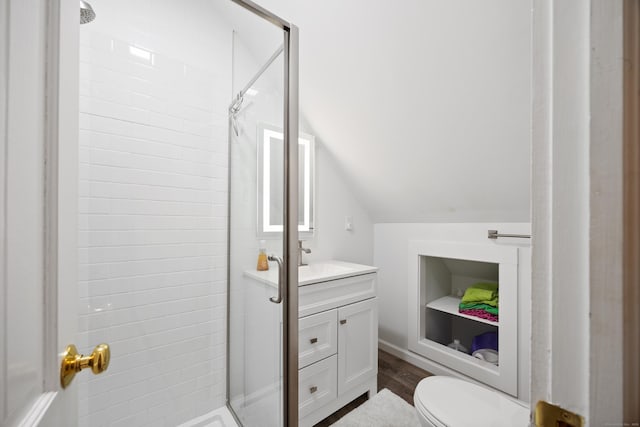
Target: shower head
x=86 y=12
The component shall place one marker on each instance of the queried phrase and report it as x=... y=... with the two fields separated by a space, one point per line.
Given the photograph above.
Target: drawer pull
x=313 y=340
x=313 y=389
x=343 y=321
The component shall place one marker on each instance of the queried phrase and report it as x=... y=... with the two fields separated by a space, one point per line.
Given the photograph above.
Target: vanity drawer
x=322 y=296
x=317 y=337
x=318 y=385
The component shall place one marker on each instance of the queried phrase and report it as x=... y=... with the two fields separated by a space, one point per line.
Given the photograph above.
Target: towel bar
x=493 y=234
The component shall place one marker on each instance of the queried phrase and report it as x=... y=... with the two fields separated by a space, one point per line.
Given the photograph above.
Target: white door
x=37 y=226
x=42 y=261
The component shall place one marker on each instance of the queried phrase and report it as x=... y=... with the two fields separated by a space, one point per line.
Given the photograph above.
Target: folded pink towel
x=481 y=314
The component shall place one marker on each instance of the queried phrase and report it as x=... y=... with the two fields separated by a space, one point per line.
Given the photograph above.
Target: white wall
x=335 y=200
x=392 y=258
x=425 y=105
x=153 y=206
x=423 y=118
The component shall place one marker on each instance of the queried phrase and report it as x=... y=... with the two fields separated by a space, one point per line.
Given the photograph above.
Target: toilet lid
x=453 y=402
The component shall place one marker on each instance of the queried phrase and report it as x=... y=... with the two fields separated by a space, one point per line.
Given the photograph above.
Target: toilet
x=443 y=401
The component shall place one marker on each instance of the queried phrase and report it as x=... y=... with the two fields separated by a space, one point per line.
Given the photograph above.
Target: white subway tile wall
x=152 y=237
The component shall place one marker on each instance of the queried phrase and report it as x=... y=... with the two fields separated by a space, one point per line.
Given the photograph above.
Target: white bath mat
x=385 y=409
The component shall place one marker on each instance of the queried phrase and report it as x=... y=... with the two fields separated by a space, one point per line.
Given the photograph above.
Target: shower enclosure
x=171 y=97
x=257 y=387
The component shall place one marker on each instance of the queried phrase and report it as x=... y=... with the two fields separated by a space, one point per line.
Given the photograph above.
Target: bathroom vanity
x=338 y=334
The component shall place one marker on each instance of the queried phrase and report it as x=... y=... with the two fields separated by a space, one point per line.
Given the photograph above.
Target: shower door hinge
x=548 y=415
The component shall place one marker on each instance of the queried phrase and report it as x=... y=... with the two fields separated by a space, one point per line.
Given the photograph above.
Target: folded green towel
x=486 y=293
x=480 y=306
x=491 y=302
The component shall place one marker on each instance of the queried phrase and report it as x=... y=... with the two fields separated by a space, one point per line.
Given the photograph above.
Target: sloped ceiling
x=425 y=104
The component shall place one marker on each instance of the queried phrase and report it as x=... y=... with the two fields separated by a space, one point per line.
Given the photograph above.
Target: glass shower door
x=255 y=374
x=262 y=323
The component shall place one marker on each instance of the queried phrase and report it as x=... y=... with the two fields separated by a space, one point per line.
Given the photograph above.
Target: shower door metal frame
x=290 y=209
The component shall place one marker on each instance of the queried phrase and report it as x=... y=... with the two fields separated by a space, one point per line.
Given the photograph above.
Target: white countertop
x=316 y=272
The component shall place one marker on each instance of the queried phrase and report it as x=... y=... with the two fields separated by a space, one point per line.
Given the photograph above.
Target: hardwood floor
x=400 y=377
x=394 y=374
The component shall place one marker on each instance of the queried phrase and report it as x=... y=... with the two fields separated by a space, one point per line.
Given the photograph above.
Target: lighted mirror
x=270 y=181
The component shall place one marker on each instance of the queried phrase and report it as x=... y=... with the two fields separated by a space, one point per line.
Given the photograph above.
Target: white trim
x=421 y=362
x=576 y=142
x=66 y=138
x=631 y=209
x=606 y=165
x=541 y=202
x=51 y=367
x=4 y=28
x=38 y=410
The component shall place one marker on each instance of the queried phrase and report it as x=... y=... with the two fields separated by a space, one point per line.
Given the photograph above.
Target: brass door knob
x=73 y=362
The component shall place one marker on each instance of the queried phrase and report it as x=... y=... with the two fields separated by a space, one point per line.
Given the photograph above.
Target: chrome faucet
x=300 y=250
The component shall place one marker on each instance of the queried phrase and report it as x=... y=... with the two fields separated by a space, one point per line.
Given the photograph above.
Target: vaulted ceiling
x=424 y=104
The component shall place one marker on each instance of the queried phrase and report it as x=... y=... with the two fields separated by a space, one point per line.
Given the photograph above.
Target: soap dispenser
x=263 y=264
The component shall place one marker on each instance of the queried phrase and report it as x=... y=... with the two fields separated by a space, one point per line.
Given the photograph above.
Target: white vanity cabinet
x=337 y=338
x=338 y=344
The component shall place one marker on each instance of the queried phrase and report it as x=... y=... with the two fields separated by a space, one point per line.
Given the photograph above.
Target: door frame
x=577 y=341
x=631 y=154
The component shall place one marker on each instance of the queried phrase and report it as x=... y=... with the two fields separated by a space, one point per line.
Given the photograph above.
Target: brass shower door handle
x=72 y=362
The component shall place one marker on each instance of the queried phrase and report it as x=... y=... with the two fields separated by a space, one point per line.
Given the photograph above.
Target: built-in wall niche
x=439 y=274
x=442 y=327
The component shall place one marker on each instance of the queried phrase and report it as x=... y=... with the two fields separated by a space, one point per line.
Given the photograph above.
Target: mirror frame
x=306 y=145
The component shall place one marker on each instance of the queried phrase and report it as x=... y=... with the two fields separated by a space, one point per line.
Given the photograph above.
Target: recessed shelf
x=449 y=304
x=444 y=270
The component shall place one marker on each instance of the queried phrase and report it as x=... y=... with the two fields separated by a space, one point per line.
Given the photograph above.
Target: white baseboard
x=433 y=367
x=419 y=361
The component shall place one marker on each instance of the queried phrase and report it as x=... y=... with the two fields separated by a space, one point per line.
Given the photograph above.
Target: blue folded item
x=486 y=340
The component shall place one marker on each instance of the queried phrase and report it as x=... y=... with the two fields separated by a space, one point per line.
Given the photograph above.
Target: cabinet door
x=357 y=343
